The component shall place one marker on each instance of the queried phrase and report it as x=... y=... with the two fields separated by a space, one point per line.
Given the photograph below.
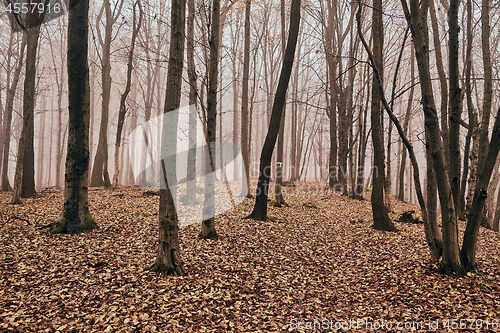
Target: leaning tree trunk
x=9 y=109
x=75 y=216
x=260 y=209
x=168 y=259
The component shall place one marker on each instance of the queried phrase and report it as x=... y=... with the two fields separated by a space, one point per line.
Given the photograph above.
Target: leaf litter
x=323 y=265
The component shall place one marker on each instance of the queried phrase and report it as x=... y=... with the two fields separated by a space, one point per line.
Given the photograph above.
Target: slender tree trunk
x=443 y=83
x=191 y=167
x=455 y=102
x=122 y=111
x=406 y=123
x=461 y=209
x=9 y=107
x=25 y=146
x=260 y=208
x=245 y=131
x=487 y=85
x=208 y=230
x=278 y=193
x=469 y=246
x=100 y=174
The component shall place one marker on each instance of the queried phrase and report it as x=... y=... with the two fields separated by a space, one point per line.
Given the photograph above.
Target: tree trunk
x=208 y=230
x=75 y=216
x=25 y=147
x=168 y=259
x=191 y=167
x=381 y=220
x=443 y=83
x=406 y=123
x=417 y=20
x=122 y=111
x=455 y=102
x=488 y=80
x=461 y=209
x=100 y=174
x=245 y=132
x=469 y=246
x=9 y=108
x=260 y=208
x=278 y=193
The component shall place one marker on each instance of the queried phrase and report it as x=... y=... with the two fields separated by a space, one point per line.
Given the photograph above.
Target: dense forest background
x=371 y=87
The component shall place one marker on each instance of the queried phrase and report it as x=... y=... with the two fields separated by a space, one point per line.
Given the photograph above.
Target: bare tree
x=245 y=147
x=75 y=215
x=260 y=208
x=168 y=259
x=24 y=179
x=193 y=101
x=9 y=109
x=100 y=174
x=381 y=220
x=416 y=15
x=122 y=111
x=208 y=230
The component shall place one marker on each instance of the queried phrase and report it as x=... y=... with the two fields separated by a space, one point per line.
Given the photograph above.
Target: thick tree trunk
x=168 y=259
x=450 y=263
x=260 y=209
x=75 y=216
x=381 y=220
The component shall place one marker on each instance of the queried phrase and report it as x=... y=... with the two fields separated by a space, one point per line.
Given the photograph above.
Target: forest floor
x=315 y=268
